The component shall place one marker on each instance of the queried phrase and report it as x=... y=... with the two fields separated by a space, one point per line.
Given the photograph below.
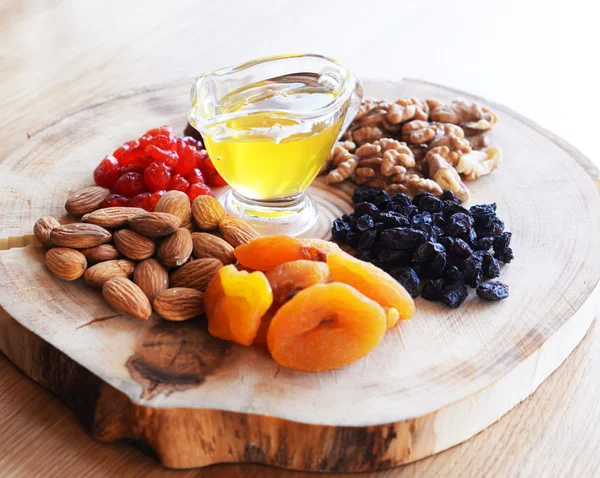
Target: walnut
x=444 y=174
x=344 y=163
x=370 y=113
x=471 y=116
x=479 y=141
x=337 y=155
x=414 y=184
x=393 y=154
x=407 y=109
x=418 y=132
x=479 y=163
x=367 y=134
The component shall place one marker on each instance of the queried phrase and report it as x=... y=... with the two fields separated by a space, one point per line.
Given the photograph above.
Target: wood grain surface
x=548 y=435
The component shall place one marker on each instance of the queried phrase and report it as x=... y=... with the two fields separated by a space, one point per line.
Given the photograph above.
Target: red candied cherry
x=132 y=168
x=165 y=143
x=119 y=152
x=132 y=156
x=107 y=172
x=195 y=176
x=199 y=189
x=170 y=158
x=188 y=160
x=191 y=141
x=156 y=195
x=130 y=184
x=145 y=140
x=143 y=200
x=115 y=200
x=179 y=183
x=212 y=177
x=165 y=130
x=156 y=176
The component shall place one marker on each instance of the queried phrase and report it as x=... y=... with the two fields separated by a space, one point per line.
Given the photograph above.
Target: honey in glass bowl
x=268 y=127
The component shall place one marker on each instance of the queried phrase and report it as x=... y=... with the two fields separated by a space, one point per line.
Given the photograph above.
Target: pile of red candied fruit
x=141 y=171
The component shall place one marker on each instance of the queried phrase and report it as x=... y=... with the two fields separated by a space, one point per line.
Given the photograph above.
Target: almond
x=86 y=200
x=208 y=245
x=176 y=203
x=151 y=277
x=237 y=232
x=97 y=275
x=112 y=216
x=188 y=223
x=155 y=224
x=195 y=274
x=42 y=229
x=101 y=253
x=179 y=303
x=176 y=249
x=79 y=236
x=207 y=212
x=126 y=298
x=133 y=245
x=65 y=263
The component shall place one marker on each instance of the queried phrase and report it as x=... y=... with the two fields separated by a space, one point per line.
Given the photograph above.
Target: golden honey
x=264 y=147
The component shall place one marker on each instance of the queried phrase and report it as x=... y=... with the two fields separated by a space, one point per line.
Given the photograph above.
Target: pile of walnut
x=144 y=261
x=413 y=146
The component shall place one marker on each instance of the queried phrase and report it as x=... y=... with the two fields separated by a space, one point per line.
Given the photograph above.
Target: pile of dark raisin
x=432 y=246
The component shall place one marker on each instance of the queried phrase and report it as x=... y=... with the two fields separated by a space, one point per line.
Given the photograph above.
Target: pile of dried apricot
x=314 y=306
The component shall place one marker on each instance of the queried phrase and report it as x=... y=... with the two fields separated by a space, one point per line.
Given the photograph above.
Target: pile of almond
x=144 y=261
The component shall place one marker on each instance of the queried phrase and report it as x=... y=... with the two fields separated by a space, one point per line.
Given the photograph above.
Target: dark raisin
x=460 y=249
x=364 y=223
x=426 y=228
x=426 y=251
x=402 y=200
x=381 y=199
x=398 y=258
x=470 y=237
x=340 y=230
x=352 y=239
x=408 y=278
x=454 y=294
x=504 y=255
x=492 y=291
x=471 y=269
x=365 y=208
x=437 y=265
x=392 y=219
x=421 y=218
x=459 y=224
x=364 y=255
x=494 y=228
x=364 y=194
x=452 y=274
x=419 y=197
x=430 y=204
x=402 y=238
x=490 y=266
x=446 y=242
x=449 y=196
x=483 y=214
x=438 y=219
x=367 y=240
x=350 y=219
x=483 y=243
x=501 y=241
x=421 y=270
x=432 y=290
x=450 y=208
x=436 y=233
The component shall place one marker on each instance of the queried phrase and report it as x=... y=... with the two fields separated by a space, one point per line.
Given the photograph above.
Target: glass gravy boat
x=268 y=126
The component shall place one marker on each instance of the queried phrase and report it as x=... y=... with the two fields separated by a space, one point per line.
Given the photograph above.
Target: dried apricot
x=289 y=278
x=374 y=283
x=264 y=253
x=234 y=302
x=324 y=327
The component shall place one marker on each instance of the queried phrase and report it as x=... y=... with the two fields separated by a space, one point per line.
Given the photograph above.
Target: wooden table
x=58 y=57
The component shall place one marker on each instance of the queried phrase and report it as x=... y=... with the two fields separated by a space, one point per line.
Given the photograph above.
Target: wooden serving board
x=194 y=400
